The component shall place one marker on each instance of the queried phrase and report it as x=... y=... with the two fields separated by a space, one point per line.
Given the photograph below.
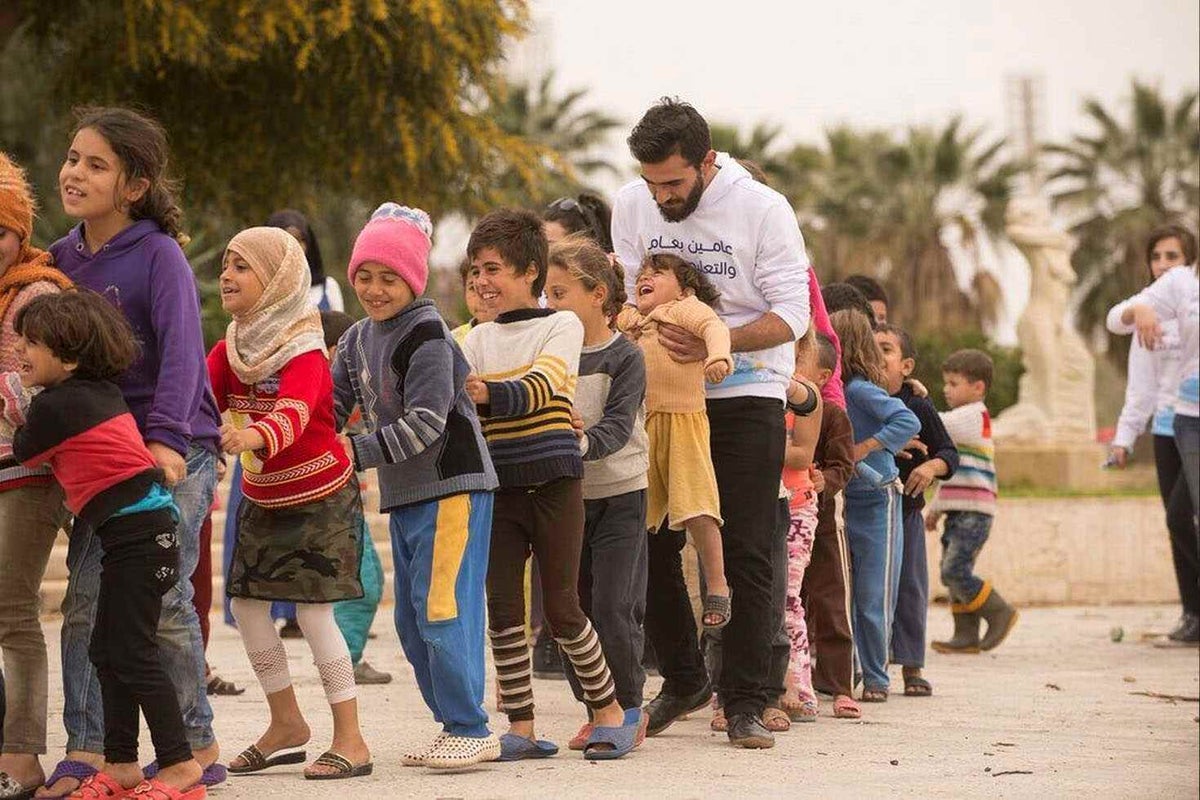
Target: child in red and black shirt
x=72 y=346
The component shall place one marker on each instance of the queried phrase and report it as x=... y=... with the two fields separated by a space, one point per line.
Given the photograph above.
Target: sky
x=808 y=66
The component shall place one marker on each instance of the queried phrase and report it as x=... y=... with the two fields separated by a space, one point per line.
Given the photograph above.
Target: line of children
x=933 y=457
x=72 y=346
x=882 y=426
x=402 y=367
x=682 y=481
x=583 y=279
x=524 y=374
x=300 y=522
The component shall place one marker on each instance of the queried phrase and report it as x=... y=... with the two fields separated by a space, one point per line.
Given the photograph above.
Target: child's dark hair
x=291 y=218
x=827 y=354
x=688 y=275
x=80 y=327
x=1187 y=242
x=907 y=348
x=584 y=261
x=843 y=296
x=861 y=356
x=464 y=270
x=974 y=365
x=333 y=325
x=141 y=145
x=755 y=169
x=670 y=127
x=587 y=213
x=517 y=235
x=869 y=287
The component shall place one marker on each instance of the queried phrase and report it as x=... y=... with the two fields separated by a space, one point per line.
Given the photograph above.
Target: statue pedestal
x=1070 y=466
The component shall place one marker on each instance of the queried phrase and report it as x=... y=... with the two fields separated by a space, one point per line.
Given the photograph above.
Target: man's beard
x=682 y=212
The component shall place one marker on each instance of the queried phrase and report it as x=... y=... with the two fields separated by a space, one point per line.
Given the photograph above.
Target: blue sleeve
x=897 y=425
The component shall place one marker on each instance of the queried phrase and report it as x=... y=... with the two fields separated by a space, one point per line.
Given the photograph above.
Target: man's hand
x=170 y=462
x=913 y=444
x=239 y=440
x=717 y=371
x=477 y=390
x=817 y=477
x=681 y=346
x=920 y=479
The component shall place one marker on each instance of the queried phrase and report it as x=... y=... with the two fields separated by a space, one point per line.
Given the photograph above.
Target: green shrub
x=932 y=350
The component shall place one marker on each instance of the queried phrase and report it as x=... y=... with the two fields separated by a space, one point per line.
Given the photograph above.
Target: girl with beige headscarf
x=299 y=525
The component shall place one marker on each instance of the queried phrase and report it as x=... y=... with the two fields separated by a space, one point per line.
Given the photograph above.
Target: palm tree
x=1119 y=182
x=884 y=207
x=569 y=134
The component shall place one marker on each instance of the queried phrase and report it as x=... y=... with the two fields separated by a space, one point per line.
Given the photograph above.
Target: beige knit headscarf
x=283 y=323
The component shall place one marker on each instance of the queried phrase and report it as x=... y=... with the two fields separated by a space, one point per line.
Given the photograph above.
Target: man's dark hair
x=843 y=296
x=80 y=327
x=974 y=365
x=333 y=325
x=871 y=289
x=827 y=354
x=517 y=235
x=686 y=273
x=670 y=127
x=907 y=349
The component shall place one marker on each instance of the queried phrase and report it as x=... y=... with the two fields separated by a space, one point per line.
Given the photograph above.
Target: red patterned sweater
x=293 y=410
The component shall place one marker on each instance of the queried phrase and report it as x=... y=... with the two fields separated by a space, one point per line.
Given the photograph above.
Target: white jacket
x=745 y=238
x=1175 y=297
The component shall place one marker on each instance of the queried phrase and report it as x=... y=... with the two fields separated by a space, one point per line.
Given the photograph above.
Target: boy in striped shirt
x=968 y=502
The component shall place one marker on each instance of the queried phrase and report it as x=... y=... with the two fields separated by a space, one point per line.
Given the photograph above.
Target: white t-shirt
x=745 y=238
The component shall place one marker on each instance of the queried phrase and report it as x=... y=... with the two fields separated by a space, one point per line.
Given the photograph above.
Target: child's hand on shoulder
x=170 y=462
x=238 y=440
x=917 y=387
x=477 y=390
x=717 y=371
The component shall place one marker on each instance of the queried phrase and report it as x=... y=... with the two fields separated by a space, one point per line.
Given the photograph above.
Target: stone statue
x=1055 y=400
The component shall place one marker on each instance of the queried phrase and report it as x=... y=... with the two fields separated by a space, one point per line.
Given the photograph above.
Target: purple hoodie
x=144 y=272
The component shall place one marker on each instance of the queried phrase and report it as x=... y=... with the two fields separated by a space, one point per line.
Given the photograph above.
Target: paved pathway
x=1054 y=713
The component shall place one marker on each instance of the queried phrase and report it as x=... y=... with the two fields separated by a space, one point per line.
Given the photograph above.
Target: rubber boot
x=966 y=635
x=1000 y=616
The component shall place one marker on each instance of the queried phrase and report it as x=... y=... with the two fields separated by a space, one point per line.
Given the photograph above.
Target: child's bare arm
x=806 y=430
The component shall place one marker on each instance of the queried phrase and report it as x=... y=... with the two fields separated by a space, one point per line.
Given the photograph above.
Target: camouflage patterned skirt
x=304 y=554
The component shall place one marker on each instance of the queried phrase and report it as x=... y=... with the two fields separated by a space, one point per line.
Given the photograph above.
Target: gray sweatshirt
x=423 y=437
x=609 y=397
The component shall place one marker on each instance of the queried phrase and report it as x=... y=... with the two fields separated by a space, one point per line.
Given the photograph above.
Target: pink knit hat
x=398 y=237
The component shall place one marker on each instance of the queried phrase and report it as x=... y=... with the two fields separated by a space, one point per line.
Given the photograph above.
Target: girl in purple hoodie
x=127 y=248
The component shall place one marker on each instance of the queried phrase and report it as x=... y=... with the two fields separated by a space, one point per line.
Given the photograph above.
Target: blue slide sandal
x=622 y=740
x=517 y=748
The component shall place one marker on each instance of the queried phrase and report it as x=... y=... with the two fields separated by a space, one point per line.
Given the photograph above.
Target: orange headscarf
x=16 y=214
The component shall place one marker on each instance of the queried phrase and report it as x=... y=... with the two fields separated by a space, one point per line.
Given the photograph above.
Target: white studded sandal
x=457 y=752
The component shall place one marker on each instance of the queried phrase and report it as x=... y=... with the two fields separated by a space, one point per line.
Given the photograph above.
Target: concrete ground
x=1055 y=712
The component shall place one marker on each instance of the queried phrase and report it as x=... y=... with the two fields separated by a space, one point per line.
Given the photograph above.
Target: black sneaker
x=547 y=661
x=748 y=731
x=666 y=708
x=1187 y=631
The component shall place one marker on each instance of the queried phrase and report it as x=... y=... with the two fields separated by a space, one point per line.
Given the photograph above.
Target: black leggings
x=141 y=562
x=1181 y=524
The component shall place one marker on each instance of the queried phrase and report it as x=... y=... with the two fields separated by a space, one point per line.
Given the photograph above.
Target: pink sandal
x=157 y=790
x=844 y=707
x=99 y=787
x=579 y=740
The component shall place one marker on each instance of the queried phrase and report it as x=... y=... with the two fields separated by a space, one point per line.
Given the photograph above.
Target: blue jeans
x=1187 y=439
x=440 y=552
x=912 y=601
x=963 y=536
x=180 y=644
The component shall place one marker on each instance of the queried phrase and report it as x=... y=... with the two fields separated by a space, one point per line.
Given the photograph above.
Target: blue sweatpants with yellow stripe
x=440 y=551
